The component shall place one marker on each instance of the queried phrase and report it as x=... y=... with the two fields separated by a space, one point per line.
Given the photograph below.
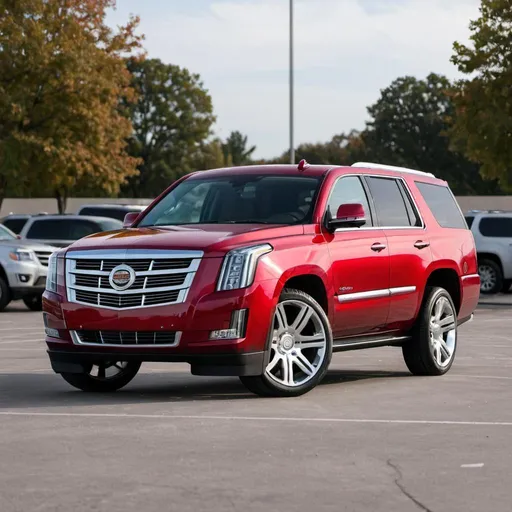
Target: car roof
x=309 y=170
x=113 y=206
x=92 y=218
x=491 y=213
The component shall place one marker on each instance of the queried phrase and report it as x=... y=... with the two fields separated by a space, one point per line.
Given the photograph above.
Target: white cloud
x=345 y=52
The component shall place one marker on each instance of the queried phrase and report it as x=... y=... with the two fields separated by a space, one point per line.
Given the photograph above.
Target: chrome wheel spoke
x=314 y=341
x=302 y=319
x=443 y=332
x=439 y=308
x=277 y=357
x=303 y=363
x=447 y=323
x=282 y=321
x=288 y=370
x=445 y=351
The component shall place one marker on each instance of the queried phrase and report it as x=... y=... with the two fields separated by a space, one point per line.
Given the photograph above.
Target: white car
x=23 y=270
x=492 y=230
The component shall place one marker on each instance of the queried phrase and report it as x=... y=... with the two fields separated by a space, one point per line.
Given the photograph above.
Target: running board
x=362 y=342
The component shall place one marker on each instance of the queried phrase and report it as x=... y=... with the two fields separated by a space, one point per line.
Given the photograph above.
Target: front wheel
x=434 y=339
x=300 y=348
x=103 y=377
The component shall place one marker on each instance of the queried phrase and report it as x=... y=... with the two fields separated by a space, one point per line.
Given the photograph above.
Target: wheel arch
x=490 y=256
x=446 y=276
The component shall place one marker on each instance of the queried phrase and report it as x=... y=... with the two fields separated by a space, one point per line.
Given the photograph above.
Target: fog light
x=24 y=278
x=52 y=333
x=236 y=327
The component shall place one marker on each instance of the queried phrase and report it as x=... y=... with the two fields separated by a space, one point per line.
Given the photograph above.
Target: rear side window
x=469 y=221
x=443 y=206
x=393 y=205
x=496 y=227
x=15 y=225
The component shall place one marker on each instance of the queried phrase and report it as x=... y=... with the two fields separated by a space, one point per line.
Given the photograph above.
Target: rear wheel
x=103 y=377
x=491 y=277
x=432 y=348
x=300 y=348
x=34 y=302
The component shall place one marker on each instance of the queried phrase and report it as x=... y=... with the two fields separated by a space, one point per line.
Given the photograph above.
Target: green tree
x=171 y=119
x=62 y=79
x=408 y=128
x=236 y=148
x=482 y=127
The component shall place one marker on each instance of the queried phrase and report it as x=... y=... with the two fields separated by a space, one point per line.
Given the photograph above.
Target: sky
x=346 y=51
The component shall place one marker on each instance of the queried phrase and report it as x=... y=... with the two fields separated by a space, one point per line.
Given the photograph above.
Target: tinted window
x=389 y=202
x=62 y=229
x=113 y=213
x=469 y=221
x=237 y=199
x=496 y=227
x=349 y=190
x=443 y=206
x=15 y=225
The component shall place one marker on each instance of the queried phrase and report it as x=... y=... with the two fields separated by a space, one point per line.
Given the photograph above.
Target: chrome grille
x=127 y=338
x=43 y=257
x=160 y=277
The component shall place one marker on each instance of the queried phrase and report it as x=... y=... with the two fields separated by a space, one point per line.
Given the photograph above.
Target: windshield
x=6 y=234
x=240 y=199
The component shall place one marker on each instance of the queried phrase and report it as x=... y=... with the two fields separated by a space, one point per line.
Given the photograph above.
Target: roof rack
x=490 y=211
x=369 y=165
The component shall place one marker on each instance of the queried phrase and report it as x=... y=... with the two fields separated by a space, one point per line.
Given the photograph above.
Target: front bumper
x=194 y=320
x=25 y=278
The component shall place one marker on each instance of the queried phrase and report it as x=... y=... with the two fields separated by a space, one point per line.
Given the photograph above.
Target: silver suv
x=23 y=269
x=492 y=230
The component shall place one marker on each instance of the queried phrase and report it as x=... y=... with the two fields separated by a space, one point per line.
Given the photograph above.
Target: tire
x=5 y=294
x=491 y=276
x=295 y=366
x=97 y=384
x=34 y=302
x=507 y=286
x=425 y=354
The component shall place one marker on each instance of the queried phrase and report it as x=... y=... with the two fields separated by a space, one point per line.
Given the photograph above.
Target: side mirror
x=129 y=219
x=18 y=237
x=350 y=215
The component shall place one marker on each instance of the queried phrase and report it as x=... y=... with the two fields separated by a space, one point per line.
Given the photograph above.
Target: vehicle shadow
x=36 y=390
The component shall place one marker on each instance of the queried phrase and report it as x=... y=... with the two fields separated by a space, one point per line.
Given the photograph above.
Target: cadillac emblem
x=121 y=277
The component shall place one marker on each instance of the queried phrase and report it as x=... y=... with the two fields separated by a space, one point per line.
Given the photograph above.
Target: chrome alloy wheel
x=488 y=277
x=443 y=332
x=299 y=344
x=107 y=371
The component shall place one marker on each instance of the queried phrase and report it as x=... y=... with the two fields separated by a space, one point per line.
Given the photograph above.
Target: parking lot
x=370 y=438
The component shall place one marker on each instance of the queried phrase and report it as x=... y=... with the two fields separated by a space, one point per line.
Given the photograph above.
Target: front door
x=360 y=266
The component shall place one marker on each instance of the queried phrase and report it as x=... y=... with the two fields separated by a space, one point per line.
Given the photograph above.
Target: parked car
x=62 y=230
x=114 y=211
x=263 y=272
x=16 y=221
x=23 y=269
x=492 y=230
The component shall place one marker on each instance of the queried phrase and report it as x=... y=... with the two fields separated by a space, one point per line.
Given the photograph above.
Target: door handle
x=378 y=247
x=421 y=245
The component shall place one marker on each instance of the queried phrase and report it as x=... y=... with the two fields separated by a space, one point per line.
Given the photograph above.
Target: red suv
x=263 y=272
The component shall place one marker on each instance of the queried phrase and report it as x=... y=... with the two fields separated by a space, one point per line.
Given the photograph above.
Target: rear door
x=408 y=244
x=360 y=266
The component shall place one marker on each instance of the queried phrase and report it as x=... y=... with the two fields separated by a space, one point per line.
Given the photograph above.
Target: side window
x=349 y=190
x=48 y=229
x=78 y=229
x=390 y=203
x=442 y=205
x=496 y=227
x=15 y=225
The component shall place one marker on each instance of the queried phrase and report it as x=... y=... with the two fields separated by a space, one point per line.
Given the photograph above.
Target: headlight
x=51 y=278
x=239 y=267
x=22 y=255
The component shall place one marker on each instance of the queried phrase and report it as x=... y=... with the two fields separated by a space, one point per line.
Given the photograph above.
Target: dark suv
x=263 y=272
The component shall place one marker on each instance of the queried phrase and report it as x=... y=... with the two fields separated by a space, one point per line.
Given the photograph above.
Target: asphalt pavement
x=370 y=438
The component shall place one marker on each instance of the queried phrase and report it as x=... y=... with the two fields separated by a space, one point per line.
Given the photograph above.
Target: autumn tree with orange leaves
x=63 y=87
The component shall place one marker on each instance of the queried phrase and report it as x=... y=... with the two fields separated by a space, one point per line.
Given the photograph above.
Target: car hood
x=212 y=239
x=27 y=244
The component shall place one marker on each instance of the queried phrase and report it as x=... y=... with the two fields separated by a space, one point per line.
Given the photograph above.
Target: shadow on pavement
x=31 y=390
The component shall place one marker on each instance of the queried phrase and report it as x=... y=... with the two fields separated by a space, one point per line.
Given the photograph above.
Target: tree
x=408 y=128
x=62 y=78
x=482 y=127
x=236 y=148
x=171 y=119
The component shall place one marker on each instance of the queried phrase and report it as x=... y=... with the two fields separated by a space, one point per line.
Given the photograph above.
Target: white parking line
x=271 y=419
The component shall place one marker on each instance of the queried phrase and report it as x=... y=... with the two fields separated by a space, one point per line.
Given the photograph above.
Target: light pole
x=292 y=149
